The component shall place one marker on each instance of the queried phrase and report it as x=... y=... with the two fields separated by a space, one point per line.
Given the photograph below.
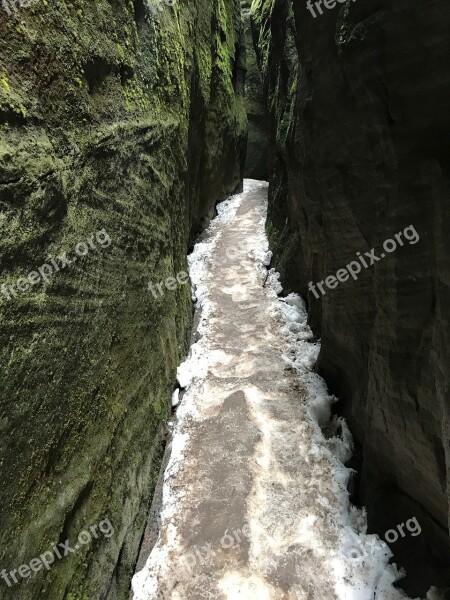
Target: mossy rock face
x=116 y=119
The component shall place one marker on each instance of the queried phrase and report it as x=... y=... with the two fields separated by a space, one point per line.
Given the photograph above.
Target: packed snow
x=357 y=562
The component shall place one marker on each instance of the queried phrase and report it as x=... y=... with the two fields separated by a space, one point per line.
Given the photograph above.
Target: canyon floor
x=255 y=501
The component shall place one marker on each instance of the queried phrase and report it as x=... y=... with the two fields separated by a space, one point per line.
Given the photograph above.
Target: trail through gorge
x=255 y=499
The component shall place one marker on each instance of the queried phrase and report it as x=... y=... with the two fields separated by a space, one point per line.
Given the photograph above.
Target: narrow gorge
x=224 y=300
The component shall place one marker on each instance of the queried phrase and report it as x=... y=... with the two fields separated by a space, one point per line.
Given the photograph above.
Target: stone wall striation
x=130 y=121
x=358 y=140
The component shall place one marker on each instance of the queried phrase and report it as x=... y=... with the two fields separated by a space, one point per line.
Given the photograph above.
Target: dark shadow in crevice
x=418 y=542
x=139 y=11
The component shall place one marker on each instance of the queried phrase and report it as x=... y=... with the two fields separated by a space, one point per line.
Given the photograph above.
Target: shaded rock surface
x=256 y=162
x=359 y=129
x=129 y=119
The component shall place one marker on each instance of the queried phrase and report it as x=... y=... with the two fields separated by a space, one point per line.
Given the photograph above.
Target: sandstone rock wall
x=128 y=120
x=358 y=100
x=256 y=163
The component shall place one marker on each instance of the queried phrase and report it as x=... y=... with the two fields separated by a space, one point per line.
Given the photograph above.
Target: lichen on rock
x=118 y=118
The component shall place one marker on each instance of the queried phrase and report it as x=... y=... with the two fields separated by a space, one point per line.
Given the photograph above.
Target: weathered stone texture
x=256 y=166
x=358 y=99
x=114 y=118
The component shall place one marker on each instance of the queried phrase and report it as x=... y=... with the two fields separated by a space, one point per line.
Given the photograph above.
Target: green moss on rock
x=110 y=118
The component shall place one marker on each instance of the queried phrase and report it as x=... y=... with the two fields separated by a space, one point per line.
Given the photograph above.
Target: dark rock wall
x=358 y=99
x=127 y=119
x=256 y=163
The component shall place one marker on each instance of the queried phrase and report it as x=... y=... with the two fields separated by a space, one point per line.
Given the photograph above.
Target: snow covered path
x=255 y=503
